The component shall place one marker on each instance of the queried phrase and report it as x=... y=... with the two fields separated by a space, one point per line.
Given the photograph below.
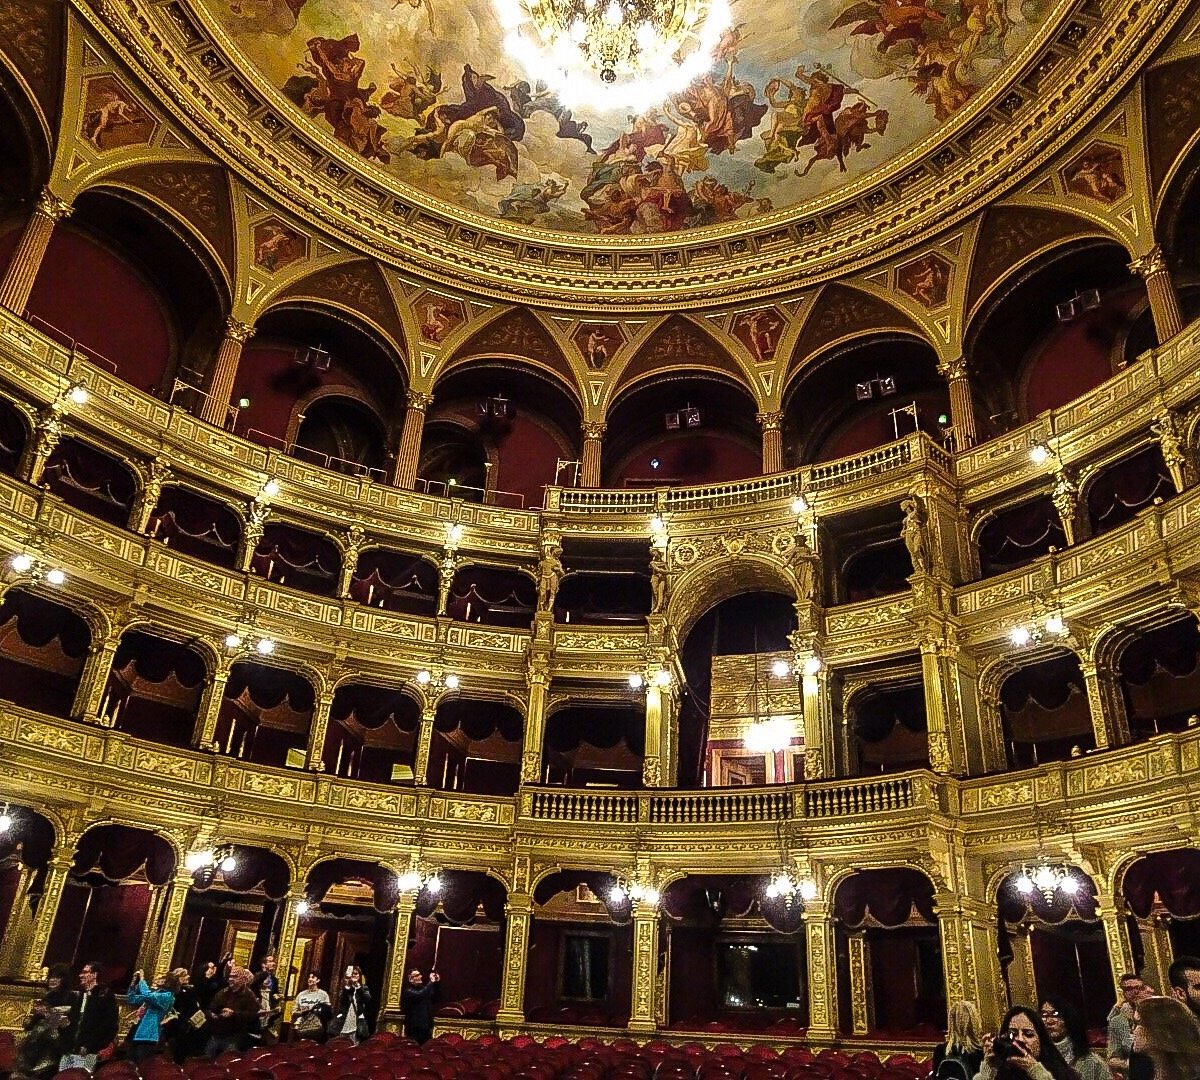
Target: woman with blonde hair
x=962 y=1052
x=1167 y=1033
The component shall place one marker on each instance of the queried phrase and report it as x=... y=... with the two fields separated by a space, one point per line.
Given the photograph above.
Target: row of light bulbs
x=24 y=563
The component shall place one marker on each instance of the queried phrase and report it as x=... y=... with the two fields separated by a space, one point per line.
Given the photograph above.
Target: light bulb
x=6 y=822
x=197 y=860
x=233 y=641
x=781 y=669
x=79 y=395
x=452 y=682
x=265 y=646
x=616 y=895
x=1039 y=454
x=228 y=864
x=271 y=488
x=812 y=665
x=423 y=677
x=636 y=682
x=808 y=889
x=55 y=577
x=578 y=30
x=1024 y=884
x=434 y=885
x=651 y=895
x=799 y=505
x=454 y=533
x=303 y=907
x=21 y=563
x=613 y=15
x=1020 y=635
x=1045 y=878
x=1055 y=625
x=409 y=881
x=662 y=677
x=657 y=525
x=1069 y=884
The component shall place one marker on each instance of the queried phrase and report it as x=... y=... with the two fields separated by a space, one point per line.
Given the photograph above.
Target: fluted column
x=822 y=972
x=93 y=680
x=862 y=1004
x=393 y=988
x=314 y=755
x=645 y=965
x=589 y=468
x=47 y=910
x=214 y=406
x=970 y=961
x=15 y=942
x=538 y=679
x=518 y=913
x=661 y=707
x=148 y=947
x=408 y=452
x=772 y=441
x=1110 y=724
x=424 y=745
x=171 y=921
x=1160 y=290
x=1116 y=936
x=26 y=261
x=951 y=706
x=205 y=731
x=962 y=403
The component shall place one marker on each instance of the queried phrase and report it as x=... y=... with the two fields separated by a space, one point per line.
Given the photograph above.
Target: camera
x=1003 y=1047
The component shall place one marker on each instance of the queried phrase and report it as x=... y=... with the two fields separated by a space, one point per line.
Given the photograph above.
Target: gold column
x=962 y=404
x=589 y=469
x=1022 y=986
x=1164 y=302
x=1156 y=948
x=949 y=711
x=970 y=962
x=518 y=912
x=862 y=1003
x=214 y=406
x=816 y=694
x=393 y=988
x=351 y=548
x=424 y=745
x=26 y=261
x=256 y=523
x=285 y=947
x=148 y=947
x=157 y=474
x=172 y=920
x=645 y=966
x=94 y=678
x=408 y=452
x=314 y=753
x=772 y=441
x=661 y=708
x=1065 y=496
x=1176 y=455
x=1116 y=936
x=822 y=972
x=205 y=731
x=15 y=942
x=1110 y=724
x=537 y=677
x=56 y=879
x=47 y=433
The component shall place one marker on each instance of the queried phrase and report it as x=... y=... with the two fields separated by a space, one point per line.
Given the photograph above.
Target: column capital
x=51 y=206
x=418 y=400
x=593 y=429
x=236 y=330
x=770 y=421
x=1152 y=263
x=954 y=369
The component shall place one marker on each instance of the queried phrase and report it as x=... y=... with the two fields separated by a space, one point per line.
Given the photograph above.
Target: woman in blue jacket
x=155 y=1005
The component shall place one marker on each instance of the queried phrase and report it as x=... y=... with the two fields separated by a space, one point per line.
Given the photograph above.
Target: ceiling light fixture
x=36 y=570
x=613 y=53
x=1048 y=879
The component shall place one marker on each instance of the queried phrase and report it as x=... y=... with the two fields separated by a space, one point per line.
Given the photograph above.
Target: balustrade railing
x=711 y=807
x=615 y=807
x=859 y=797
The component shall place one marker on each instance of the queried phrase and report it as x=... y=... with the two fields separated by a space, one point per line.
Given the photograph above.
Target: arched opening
x=1052 y=942
x=341 y=433
x=43 y=645
x=297 y=558
x=14 y=435
x=595 y=745
x=492 y=596
x=1159 y=672
x=736 y=642
x=1044 y=711
x=25 y=849
x=1125 y=487
x=585 y=939
x=476 y=747
x=605 y=583
x=372 y=734
x=888 y=727
x=738 y=959
x=454 y=461
x=867 y=554
x=265 y=714
x=863 y=394
x=91 y=480
x=24 y=154
x=395 y=581
x=196 y=525
x=1016 y=535
x=1162 y=891
x=460 y=931
x=889 y=955
x=117 y=873
x=154 y=688
x=682 y=431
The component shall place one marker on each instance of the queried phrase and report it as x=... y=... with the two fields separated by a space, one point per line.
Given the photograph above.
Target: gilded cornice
x=1064 y=80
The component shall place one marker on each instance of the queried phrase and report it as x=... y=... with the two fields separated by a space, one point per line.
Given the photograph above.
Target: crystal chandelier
x=1047 y=879
x=789 y=888
x=613 y=52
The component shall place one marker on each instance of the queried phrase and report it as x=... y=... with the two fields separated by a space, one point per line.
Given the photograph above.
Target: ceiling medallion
x=614 y=53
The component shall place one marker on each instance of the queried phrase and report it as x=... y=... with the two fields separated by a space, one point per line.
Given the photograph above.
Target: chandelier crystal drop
x=613 y=53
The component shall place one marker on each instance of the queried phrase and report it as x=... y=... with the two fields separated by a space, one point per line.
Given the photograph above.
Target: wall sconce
x=303 y=907
x=415 y=879
x=454 y=535
x=631 y=888
x=789 y=888
x=812 y=665
x=1040 y=453
x=1048 y=879
x=441 y=681
x=269 y=489
x=213 y=859
x=264 y=646
x=800 y=504
x=36 y=570
x=78 y=394
x=1053 y=626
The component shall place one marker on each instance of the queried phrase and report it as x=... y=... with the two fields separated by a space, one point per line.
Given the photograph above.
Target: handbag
x=308 y=1024
x=197 y=1020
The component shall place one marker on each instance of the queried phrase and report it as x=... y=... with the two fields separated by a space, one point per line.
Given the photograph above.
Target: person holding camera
x=352 y=1020
x=417 y=1001
x=156 y=1004
x=1023 y=1050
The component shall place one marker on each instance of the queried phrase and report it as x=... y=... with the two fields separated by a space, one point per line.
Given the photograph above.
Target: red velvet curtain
x=888 y=896
x=1021 y=533
x=335 y=871
x=119 y=852
x=1172 y=876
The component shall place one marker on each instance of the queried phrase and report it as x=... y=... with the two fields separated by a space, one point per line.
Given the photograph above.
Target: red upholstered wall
x=91 y=295
x=693 y=458
x=528 y=454
x=1075 y=356
x=469 y=959
x=873 y=427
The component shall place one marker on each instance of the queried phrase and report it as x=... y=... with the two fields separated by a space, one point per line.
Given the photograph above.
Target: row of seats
x=388 y=1056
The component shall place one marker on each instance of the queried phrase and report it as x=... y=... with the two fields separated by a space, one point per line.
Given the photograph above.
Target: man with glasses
x=1120 y=1021
x=92 y=1025
x=1184 y=977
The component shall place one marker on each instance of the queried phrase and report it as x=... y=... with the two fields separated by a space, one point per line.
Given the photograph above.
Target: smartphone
x=349 y=971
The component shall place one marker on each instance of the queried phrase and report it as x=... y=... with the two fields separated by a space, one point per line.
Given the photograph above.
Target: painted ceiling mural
x=800 y=99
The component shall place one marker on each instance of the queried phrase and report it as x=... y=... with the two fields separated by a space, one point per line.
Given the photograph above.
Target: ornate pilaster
x=1116 y=936
x=93 y=679
x=314 y=754
x=772 y=440
x=1110 y=724
x=822 y=972
x=26 y=261
x=962 y=403
x=969 y=957
x=205 y=732
x=285 y=947
x=214 y=406
x=862 y=998
x=816 y=690
x=518 y=912
x=1022 y=983
x=662 y=705
x=424 y=745
x=256 y=523
x=158 y=472
x=1160 y=291
x=47 y=910
x=148 y=947
x=393 y=987
x=537 y=678
x=1158 y=953
x=951 y=707
x=589 y=468
x=15 y=942
x=172 y=920
x=645 y=965
x=408 y=452
x=1179 y=460
x=1065 y=496
x=47 y=434
x=351 y=547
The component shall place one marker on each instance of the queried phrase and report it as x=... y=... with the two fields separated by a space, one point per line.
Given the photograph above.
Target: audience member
x=184 y=1030
x=266 y=988
x=962 y=1052
x=92 y=1031
x=1166 y=1031
x=45 y=1028
x=313 y=1010
x=232 y=1014
x=1069 y=1033
x=352 y=1018
x=1184 y=977
x=155 y=1005
x=1023 y=1050
x=417 y=1002
x=1120 y=1021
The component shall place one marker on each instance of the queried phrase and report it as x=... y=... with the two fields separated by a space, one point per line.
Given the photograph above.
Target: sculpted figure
x=912 y=531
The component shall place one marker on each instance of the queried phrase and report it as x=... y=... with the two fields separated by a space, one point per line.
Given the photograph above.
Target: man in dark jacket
x=232 y=1014
x=417 y=1002
x=93 y=1019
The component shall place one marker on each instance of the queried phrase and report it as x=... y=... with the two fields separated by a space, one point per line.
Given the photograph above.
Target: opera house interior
x=687 y=527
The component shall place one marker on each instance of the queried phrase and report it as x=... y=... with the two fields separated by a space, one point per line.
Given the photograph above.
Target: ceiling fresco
x=799 y=101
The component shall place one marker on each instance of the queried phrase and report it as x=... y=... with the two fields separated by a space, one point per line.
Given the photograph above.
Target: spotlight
x=244 y=403
x=654 y=463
